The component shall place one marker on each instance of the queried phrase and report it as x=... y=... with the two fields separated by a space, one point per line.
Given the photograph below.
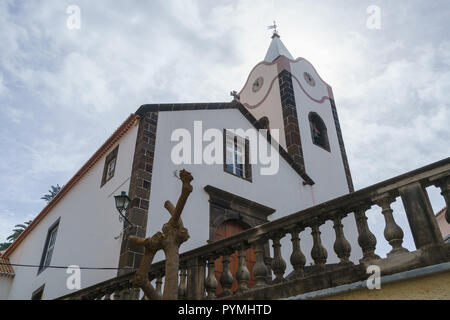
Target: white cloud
x=3 y=88
x=60 y=156
x=8 y=220
x=15 y=114
x=398 y=115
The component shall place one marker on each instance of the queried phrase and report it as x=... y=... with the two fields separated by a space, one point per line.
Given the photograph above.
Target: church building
x=294 y=116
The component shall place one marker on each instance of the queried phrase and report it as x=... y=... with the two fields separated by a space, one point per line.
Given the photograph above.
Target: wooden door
x=225 y=230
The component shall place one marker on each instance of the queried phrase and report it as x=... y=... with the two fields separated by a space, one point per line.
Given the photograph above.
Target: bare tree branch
x=170 y=239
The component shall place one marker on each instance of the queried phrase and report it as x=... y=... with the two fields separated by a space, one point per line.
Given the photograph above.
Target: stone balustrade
x=197 y=267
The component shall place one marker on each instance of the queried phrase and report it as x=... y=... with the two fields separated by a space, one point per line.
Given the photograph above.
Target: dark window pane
x=48 y=258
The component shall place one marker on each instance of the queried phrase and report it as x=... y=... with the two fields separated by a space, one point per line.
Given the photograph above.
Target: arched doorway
x=227 y=229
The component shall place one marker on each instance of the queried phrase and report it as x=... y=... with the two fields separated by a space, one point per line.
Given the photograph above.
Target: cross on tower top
x=274 y=28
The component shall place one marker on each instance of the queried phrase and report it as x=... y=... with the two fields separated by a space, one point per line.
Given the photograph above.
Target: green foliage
x=19 y=228
x=52 y=193
x=4 y=246
x=17 y=231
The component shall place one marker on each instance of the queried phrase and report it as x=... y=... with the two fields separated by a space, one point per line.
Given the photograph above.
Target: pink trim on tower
x=321 y=100
x=318 y=101
x=248 y=78
x=283 y=61
x=265 y=97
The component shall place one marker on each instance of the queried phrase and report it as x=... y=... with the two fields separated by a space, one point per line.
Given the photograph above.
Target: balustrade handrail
x=363 y=198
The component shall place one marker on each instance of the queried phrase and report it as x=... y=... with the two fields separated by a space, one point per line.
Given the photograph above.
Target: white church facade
x=282 y=95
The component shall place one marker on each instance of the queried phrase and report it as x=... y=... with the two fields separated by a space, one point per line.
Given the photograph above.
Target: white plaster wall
x=298 y=68
x=325 y=168
x=268 y=72
x=284 y=191
x=88 y=224
x=269 y=95
x=5 y=285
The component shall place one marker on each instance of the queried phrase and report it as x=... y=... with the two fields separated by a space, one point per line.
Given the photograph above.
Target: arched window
x=318 y=131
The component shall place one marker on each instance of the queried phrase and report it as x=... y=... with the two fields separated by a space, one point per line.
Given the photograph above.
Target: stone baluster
x=117 y=295
x=158 y=285
x=260 y=269
x=392 y=232
x=133 y=293
x=268 y=262
x=211 y=281
x=318 y=251
x=196 y=279
x=242 y=273
x=298 y=259
x=341 y=246
x=125 y=294
x=226 y=279
x=366 y=239
x=182 y=287
x=278 y=263
x=107 y=294
x=444 y=185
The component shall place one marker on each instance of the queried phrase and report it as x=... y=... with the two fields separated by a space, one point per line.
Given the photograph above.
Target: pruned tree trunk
x=173 y=235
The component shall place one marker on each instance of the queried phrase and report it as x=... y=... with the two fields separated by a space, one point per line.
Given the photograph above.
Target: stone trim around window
x=110 y=157
x=247 y=166
x=226 y=206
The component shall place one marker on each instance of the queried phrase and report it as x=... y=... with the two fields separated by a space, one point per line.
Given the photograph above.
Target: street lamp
x=122 y=203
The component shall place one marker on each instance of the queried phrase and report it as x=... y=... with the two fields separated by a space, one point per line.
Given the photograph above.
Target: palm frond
x=52 y=193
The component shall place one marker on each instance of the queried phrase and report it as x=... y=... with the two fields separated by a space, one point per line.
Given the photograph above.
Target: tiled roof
x=124 y=127
x=6 y=269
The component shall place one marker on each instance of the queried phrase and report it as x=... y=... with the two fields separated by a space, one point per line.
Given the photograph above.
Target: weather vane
x=274 y=27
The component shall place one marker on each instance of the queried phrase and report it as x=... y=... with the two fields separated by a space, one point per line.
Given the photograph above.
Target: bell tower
x=288 y=94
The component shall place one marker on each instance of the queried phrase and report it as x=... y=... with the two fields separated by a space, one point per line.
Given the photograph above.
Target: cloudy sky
x=63 y=92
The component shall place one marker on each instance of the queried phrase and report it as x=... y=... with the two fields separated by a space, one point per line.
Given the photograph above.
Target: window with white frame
x=236 y=156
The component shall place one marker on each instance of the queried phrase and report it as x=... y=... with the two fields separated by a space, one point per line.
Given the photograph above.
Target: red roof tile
x=6 y=269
